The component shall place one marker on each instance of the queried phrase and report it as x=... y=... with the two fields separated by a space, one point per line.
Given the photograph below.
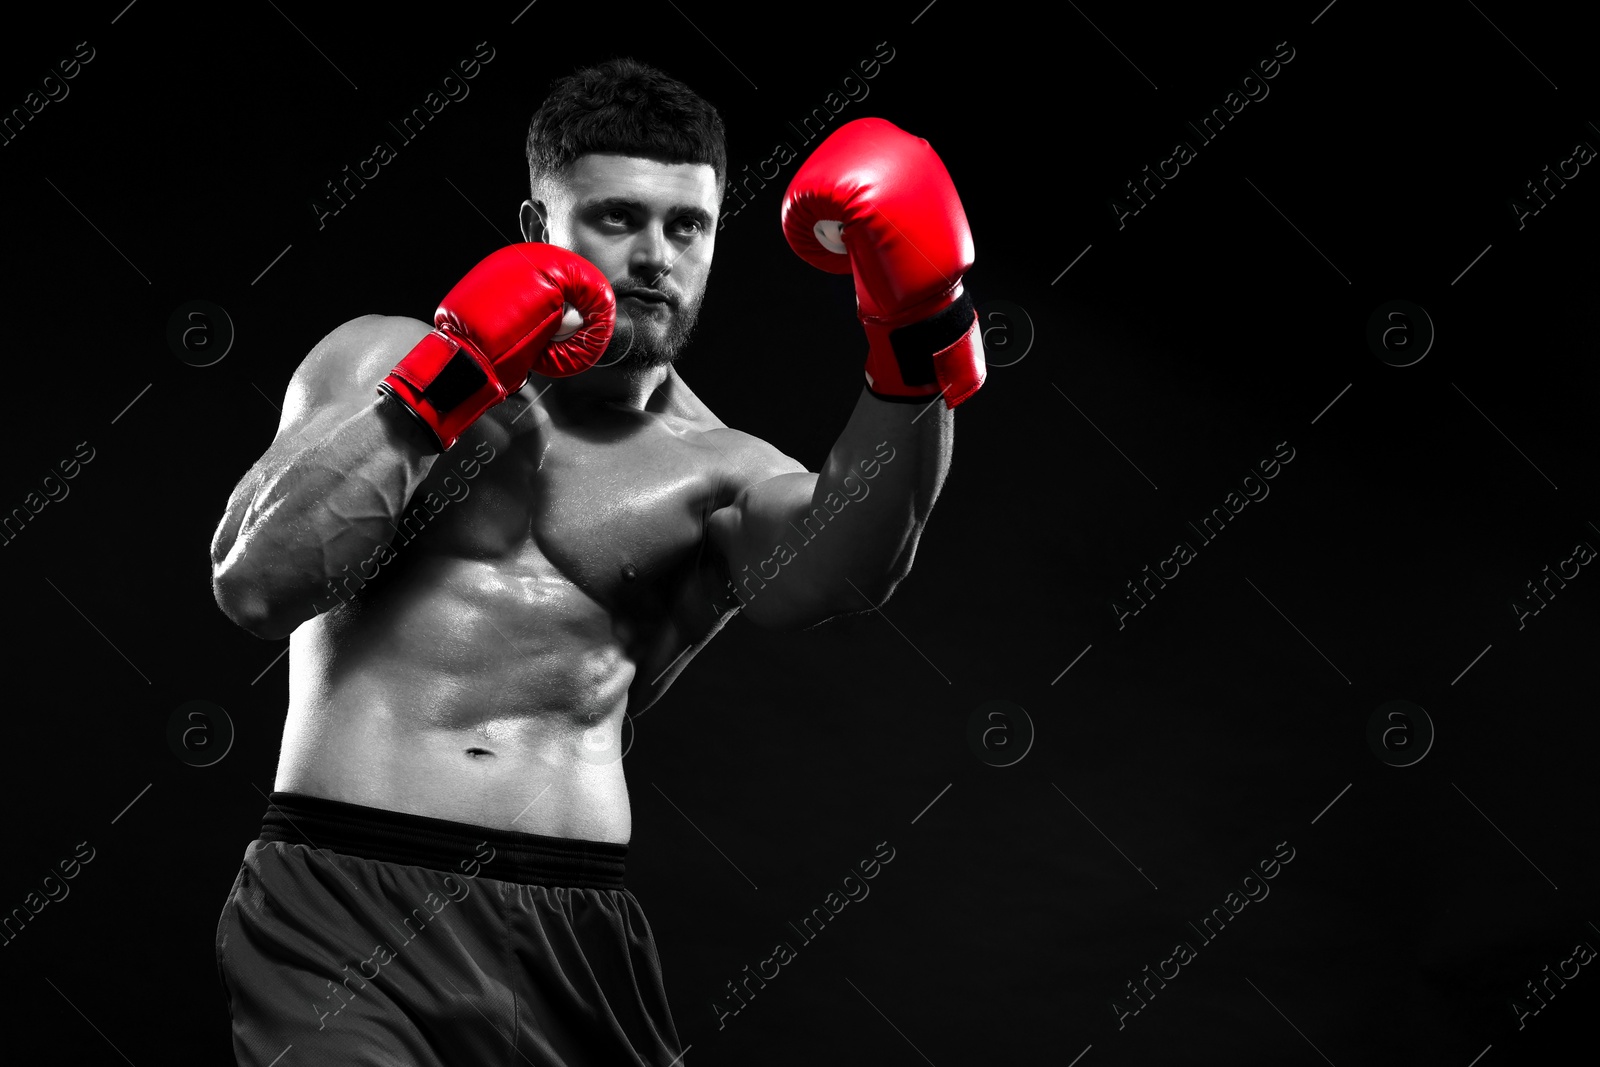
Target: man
x=491 y=539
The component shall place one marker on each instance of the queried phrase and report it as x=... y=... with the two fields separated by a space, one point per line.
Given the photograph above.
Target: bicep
x=338 y=378
x=755 y=538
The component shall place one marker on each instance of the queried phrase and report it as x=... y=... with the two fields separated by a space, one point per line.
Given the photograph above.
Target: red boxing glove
x=876 y=201
x=501 y=322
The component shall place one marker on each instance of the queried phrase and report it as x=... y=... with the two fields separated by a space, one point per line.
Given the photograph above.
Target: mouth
x=646 y=296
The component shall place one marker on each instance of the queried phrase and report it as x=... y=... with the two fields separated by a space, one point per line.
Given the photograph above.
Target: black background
x=1208 y=329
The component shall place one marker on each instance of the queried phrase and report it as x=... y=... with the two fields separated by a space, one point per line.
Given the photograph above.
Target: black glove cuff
x=915 y=345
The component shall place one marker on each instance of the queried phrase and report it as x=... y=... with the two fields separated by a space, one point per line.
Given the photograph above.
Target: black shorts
x=360 y=936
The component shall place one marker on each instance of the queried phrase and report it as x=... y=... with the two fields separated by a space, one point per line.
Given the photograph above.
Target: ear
x=535 y=221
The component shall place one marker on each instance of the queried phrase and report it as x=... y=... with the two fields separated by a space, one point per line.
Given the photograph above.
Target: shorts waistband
x=456 y=847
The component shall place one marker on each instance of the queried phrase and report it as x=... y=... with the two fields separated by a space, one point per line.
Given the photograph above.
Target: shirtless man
x=489 y=540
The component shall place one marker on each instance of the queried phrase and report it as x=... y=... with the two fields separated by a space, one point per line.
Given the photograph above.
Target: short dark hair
x=624 y=106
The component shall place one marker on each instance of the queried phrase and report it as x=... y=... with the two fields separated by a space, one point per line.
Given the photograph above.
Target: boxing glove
x=876 y=202
x=524 y=308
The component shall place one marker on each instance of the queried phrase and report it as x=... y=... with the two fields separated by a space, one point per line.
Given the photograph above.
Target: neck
x=629 y=386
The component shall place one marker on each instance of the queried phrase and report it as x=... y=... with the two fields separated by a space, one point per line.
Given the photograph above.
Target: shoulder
x=347 y=364
x=747 y=458
x=358 y=345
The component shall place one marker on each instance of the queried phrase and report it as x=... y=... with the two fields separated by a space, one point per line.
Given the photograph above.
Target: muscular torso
x=482 y=672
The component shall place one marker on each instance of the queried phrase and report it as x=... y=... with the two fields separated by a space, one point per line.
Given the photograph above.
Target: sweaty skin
x=482 y=675
x=479 y=670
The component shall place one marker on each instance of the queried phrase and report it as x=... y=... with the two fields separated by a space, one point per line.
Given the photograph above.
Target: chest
x=616 y=508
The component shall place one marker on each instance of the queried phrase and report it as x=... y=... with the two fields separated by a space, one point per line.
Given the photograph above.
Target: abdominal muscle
x=488 y=692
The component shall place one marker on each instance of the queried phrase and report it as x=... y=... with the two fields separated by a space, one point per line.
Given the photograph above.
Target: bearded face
x=650 y=227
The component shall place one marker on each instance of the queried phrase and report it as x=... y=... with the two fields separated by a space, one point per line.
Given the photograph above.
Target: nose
x=651 y=255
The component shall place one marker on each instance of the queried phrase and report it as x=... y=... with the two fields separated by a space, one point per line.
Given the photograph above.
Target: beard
x=651 y=338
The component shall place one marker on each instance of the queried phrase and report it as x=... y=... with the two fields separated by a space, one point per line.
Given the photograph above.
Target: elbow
x=870 y=591
x=861 y=593
x=873 y=594
x=801 y=605
x=243 y=602
x=874 y=582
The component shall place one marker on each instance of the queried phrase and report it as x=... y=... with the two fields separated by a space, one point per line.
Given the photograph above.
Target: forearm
x=308 y=520
x=882 y=197
x=860 y=527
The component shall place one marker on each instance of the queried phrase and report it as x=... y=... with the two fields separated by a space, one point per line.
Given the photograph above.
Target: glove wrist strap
x=941 y=353
x=446 y=383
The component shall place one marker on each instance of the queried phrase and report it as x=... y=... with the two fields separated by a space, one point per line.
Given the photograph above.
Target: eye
x=691 y=225
x=615 y=217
